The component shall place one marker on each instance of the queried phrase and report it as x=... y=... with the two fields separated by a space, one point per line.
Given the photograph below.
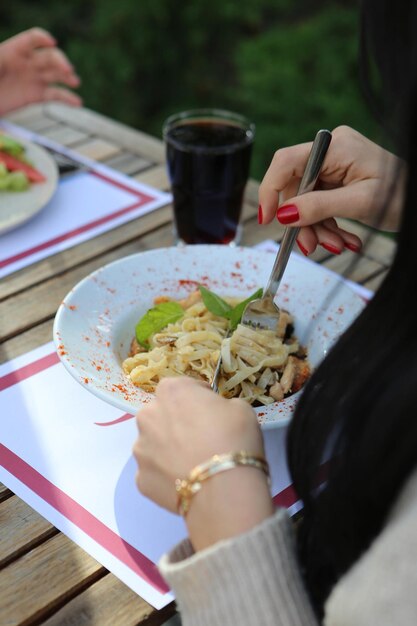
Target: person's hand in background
x=184 y=426
x=33 y=69
x=352 y=184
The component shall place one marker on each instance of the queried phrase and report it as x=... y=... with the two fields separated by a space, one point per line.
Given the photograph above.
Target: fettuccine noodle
x=259 y=366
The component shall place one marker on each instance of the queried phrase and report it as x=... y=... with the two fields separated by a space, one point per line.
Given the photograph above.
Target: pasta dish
x=258 y=366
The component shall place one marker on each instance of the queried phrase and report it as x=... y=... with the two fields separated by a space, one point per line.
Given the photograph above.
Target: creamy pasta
x=259 y=366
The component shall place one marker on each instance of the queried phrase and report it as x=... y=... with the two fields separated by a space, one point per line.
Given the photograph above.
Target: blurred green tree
x=290 y=65
x=301 y=76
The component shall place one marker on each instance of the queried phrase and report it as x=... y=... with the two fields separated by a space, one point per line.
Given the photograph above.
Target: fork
x=65 y=164
x=263 y=313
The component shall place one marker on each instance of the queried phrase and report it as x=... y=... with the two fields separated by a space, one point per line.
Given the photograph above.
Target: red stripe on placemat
x=119 y=420
x=144 y=197
x=84 y=520
x=286 y=498
x=28 y=370
x=71 y=233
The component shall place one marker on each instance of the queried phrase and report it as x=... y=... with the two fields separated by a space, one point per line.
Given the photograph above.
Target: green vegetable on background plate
x=13 y=147
x=16 y=171
x=12 y=181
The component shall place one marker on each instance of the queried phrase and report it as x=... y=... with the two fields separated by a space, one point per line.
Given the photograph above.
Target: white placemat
x=69 y=456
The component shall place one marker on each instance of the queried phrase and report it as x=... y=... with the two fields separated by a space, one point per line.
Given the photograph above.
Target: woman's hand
x=354 y=183
x=31 y=66
x=184 y=426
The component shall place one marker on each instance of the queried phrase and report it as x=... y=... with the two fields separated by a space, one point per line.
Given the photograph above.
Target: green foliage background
x=290 y=65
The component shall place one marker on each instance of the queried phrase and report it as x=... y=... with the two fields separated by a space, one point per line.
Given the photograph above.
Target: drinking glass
x=208 y=155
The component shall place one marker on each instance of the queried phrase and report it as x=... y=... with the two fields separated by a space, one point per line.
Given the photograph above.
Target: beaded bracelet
x=186 y=488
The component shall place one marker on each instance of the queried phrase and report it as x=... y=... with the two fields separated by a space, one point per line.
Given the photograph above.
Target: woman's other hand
x=185 y=425
x=33 y=69
x=353 y=183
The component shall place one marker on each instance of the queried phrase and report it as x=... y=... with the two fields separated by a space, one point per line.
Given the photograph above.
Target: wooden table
x=44 y=577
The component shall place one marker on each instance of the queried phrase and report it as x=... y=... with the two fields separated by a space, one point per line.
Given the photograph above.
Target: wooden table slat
x=128 y=163
x=5 y=493
x=355 y=268
x=108 y=602
x=375 y=282
x=22 y=343
x=42 y=594
x=33 y=117
x=134 y=140
x=156 y=177
x=21 y=528
x=97 y=149
x=64 y=135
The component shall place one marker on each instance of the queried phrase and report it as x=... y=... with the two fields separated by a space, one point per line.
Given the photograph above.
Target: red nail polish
x=352 y=246
x=303 y=250
x=288 y=214
x=330 y=248
x=260 y=215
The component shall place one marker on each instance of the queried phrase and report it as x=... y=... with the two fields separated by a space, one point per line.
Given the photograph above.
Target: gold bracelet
x=186 y=488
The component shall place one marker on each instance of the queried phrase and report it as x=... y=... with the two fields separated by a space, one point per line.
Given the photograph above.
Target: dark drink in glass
x=208 y=159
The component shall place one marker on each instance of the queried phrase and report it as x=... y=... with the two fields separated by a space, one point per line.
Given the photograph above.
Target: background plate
x=20 y=206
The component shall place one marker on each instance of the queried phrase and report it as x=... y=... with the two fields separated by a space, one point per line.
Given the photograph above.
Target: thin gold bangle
x=186 y=488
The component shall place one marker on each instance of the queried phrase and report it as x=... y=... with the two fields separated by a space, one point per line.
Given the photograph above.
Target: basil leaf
x=235 y=315
x=156 y=319
x=214 y=303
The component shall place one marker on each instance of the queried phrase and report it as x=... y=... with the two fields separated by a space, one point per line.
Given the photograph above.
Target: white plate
x=95 y=323
x=20 y=206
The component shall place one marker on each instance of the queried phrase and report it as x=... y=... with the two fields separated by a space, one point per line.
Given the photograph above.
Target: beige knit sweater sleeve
x=254 y=579
x=241 y=581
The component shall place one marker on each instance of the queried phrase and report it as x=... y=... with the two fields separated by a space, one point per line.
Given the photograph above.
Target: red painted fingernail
x=303 y=250
x=288 y=214
x=260 y=215
x=352 y=246
x=330 y=248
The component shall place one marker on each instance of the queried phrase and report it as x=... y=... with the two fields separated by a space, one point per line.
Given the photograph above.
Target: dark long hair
x=361 y=403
